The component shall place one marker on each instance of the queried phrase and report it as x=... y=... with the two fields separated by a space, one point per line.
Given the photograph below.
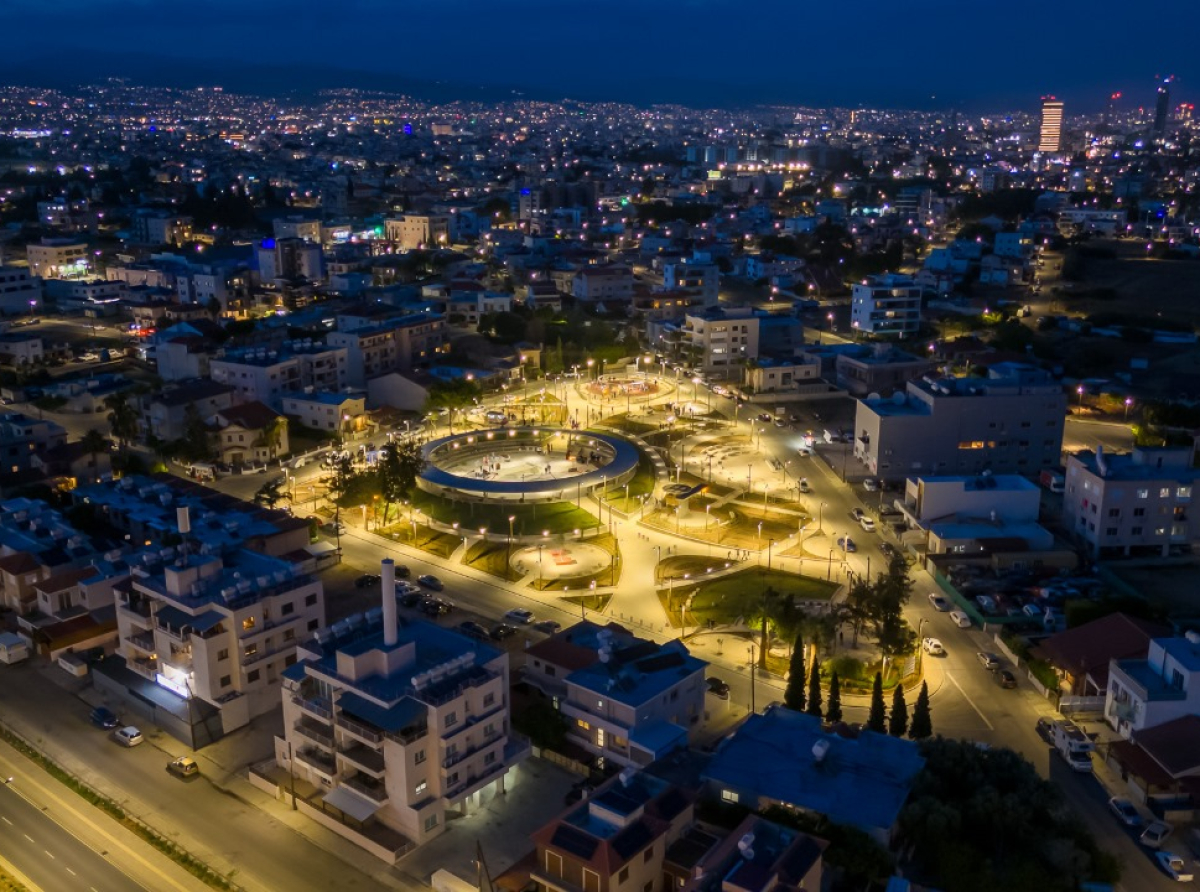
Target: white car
x=519 y=615
x=871 y=485
x=867 y=523
x=960 y=619
x=933 y=647
x=1174 y=866
x=939 y=603
x=128 y=736
x=1156 y=834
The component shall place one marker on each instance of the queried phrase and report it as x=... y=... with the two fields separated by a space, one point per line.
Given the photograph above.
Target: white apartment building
x=603 y=283
x=418 y=231
x=19 y=291
x=218 y=629
x=1160 y=688
x=720 y=341
x=57 y=258
x=396 y=723
x=1010 y=422
x=465 y=307
x=264 y=375
x=625 y=699
x=1136 y=502
x=700 y=279
x=886 y=305
x=397 y=345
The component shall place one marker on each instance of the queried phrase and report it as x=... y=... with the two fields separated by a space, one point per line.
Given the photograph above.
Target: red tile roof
x=1088 y=648
x=1174 y=745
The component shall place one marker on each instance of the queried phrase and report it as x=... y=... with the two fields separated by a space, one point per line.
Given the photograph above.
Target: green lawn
x=739 y=594
x=493 y=558
x=640 y=485
x=694 y=566
x=530 y=520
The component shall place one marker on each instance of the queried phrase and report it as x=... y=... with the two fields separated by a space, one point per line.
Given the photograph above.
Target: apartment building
x=625 y=699
x=397 y=345
x=19 y=291
x=57 y=258
x=878 y=368
x=720 y=341
x=1010 y=422
x=169 y=413
x=766 y=376
x=1133 y=503
x=264 y=374
x=160 y=228
x=1162 y=687
x=418 y=231
x=889 y=304
x=22 y=437
x=289 y=258
x=702 y=280
x=465 y=306
x=603 y=284
x=250 y=432
x=615 y=841
x=399 y=725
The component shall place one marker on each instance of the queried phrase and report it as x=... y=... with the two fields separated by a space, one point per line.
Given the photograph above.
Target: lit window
x=420 y=788
x=729 y=796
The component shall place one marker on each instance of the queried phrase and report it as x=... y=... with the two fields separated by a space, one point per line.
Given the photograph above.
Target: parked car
x=1155 y=834
x=410 y=599
x=867 y=524
x=1174 y=866
x=960 y=619
x=871 y=485
x=1125 y=811
x=184 y=766
x=128 y=736
x=939 y=603
x=335 y=528
x=989 y=660
x=888 y=550
x=367 y=580
x=717 y=687
x=858 y=514
x=103 y=717
x=431 y=581
x=548 y=626
x=500 y=631
x=520 y=616
x=402 y=572
x=933 y=647
x=1045 y=729
x=473 y=629
x=804 y=487
x=845 y=543
x=1006 y=679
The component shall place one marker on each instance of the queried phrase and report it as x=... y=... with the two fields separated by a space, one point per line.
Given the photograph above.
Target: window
x=418 y=757
x=251 y=650
x=648 y=855
x=729 y=796
x=451 y=719
x=223 y=653
x=600 y=738
x=1160 y=531
x=313 y=624
x=253 y=675
x=1143 y=493
x=489 y=759
x=248 y=623
x=583 y=725
x=623 y=876
x=226 y=681
x=452 y=779
x=599 y=704
x=310 y=600
x=1137 y=531
x=488 y=700
x=1114 y=512
x=288 y=609
x=1139 y=512
x=420 y=788
x=1184 y=492
x=430 y=823
x=289 y=635
x=489 y=730
x=1110 y=531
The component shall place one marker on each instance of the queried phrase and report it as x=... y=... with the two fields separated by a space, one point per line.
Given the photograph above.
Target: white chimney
x=391 y=633
x=183 y=520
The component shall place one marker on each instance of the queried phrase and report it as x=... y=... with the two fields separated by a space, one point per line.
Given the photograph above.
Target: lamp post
x=920 y=644
x=751 y=651
x=1128 y=403
x=590 y=364
x=829 y=570
x=1079 y=390
x=541 y=575
x=820 y=517
x=508 y=562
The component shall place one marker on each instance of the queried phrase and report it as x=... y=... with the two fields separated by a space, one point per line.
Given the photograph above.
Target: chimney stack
x=391 y=633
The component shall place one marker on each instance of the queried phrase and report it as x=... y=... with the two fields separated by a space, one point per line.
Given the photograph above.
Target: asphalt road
x=48 y=854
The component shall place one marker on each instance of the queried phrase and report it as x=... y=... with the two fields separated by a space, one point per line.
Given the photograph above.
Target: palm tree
x=123 y=418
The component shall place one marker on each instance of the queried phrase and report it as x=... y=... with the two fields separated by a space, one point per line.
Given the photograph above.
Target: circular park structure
x=525 y=465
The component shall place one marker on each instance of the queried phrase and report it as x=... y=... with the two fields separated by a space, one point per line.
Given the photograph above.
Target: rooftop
x=861 y=781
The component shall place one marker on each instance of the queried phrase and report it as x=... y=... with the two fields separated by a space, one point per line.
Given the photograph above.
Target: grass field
x=1143 y=287
x=530 y=520
x=738 y=595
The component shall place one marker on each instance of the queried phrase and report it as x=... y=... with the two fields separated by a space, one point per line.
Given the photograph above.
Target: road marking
x=954 y=682
x=6 y=820
x=71 y=872
x=27 y=836
x=50 y=854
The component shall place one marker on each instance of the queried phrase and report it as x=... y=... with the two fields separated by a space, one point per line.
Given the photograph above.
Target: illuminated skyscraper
x=1052 y=115
x=1162 y=107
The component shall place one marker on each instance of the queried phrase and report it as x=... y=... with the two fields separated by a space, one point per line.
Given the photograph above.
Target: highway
x=48 y=854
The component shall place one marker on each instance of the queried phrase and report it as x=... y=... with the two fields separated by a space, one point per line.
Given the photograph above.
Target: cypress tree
x=922 y=724
x=898 y=721
x=877 y=718
x=833 y=711
x=814 y=691
x=793 y=694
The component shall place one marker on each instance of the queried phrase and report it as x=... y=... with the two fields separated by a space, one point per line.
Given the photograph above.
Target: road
x=48 y=854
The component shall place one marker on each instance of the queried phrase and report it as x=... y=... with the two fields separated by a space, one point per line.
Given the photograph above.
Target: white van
x=960 y=619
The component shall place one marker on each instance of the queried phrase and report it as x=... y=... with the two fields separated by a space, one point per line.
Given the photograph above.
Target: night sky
x=928 y=53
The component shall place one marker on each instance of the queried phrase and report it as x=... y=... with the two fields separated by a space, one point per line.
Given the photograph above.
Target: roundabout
x=525 y=465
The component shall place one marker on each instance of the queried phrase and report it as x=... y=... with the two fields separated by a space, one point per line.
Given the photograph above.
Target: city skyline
x=708 y=55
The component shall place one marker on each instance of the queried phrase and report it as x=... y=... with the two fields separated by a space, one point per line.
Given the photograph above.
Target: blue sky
x=928 y=53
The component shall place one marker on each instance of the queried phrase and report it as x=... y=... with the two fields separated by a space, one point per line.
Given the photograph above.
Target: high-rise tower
x=1162 y=107
x=1052 y=115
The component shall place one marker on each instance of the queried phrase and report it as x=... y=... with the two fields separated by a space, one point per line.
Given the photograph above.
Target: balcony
x=405 y=736
x=143 y=641
x=362 y=732
x=320 y=734
x=372 y=790
x=320 y=707
x=147 y=668
x=365 y=759
x=320 y=761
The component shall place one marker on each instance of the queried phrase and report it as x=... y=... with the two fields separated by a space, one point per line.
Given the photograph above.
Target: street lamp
x=1128 y=403
x=1079 y=390
x=590 y=363
x=751 y=651
x=820 y=517
x=508 y=563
